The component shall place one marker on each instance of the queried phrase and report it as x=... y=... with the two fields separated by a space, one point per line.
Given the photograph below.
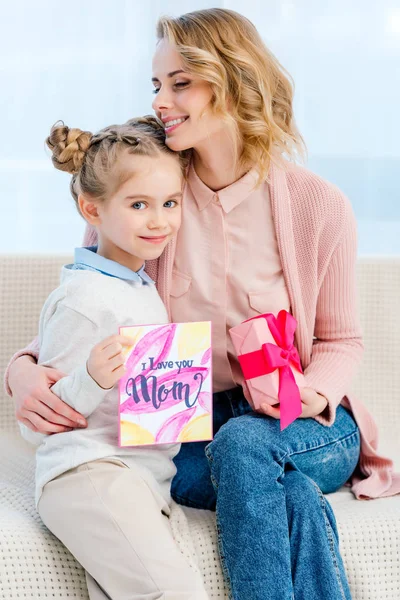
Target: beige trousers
x=118 y=529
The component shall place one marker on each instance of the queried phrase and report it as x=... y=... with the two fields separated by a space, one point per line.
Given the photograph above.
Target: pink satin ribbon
x=271 y=357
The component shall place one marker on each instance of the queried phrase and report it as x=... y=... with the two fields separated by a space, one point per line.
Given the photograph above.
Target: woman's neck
x=216 y=164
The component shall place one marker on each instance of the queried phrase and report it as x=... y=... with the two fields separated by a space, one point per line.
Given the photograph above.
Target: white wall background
x=89 y=64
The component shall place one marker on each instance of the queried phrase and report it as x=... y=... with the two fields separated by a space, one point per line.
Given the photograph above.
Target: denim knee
x=300 y=491
x=233 y=438
x=245 y=440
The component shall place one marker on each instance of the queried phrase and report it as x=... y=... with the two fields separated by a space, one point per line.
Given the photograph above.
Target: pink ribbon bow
x=271 y=357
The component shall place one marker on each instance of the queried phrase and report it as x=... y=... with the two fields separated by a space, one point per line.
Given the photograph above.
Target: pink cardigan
x=316 y=235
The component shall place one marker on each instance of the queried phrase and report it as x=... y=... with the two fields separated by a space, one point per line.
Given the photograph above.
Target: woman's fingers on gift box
x=270 y=411
x=313 y=404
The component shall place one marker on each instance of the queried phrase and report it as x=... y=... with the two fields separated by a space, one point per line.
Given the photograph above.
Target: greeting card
x=165 y=395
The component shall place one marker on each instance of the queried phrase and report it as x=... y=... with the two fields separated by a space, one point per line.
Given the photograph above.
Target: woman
x=259 y=234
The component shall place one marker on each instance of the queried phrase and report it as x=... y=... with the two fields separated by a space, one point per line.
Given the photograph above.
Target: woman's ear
x=89 y=210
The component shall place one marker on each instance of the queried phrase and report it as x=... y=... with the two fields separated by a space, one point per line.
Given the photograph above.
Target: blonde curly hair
x=224 y=48
x=92 y=159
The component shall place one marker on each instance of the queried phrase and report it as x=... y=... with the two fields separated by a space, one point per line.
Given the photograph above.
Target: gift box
x=270 y=362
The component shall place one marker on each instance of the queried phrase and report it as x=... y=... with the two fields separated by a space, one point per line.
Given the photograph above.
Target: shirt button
x=216 y=199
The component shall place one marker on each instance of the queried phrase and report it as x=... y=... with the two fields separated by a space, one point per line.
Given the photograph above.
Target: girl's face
x=182 y=102
x=139 y=220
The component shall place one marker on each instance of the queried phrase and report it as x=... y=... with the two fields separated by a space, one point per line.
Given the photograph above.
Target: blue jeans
x=277 y=533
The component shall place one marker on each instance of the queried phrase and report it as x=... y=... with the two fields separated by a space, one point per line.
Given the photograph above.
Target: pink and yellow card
x=165 y=395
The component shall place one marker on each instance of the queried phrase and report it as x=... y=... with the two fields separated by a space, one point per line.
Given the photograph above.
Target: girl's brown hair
x=225 y=49
x=92 y=158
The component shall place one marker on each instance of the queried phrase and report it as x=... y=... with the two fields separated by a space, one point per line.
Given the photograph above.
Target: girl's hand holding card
x=106 y=361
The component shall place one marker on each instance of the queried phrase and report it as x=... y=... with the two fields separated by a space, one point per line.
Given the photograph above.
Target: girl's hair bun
x=69 y=147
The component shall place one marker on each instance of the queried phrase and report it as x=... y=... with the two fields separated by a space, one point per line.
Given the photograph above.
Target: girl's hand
x=35 y=404
x=312 y=404
x=106 y=361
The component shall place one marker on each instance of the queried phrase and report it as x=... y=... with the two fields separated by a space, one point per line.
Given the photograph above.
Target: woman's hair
x=251 y=89
x=93 y=159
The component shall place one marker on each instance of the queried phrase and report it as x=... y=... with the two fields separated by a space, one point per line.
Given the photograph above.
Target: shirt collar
x=229 y=197
x=90 y=258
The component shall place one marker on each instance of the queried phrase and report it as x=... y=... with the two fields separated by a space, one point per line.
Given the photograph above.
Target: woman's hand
x=106 y=361
x=35 y=404
x=312 y=404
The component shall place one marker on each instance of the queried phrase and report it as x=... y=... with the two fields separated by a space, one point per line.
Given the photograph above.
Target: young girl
x=258 y=234
x=110 y=505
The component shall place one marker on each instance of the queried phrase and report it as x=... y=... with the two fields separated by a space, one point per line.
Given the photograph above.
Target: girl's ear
x=89 y=210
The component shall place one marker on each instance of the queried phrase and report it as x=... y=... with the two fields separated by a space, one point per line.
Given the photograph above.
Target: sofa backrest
x=25 y=282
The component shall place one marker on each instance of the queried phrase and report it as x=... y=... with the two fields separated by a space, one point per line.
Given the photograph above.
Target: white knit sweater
x=87 y=307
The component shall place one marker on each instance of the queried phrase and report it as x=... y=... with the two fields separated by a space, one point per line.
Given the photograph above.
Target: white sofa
x=34 y=564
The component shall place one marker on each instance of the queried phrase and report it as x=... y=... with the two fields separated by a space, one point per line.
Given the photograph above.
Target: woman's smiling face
x=182 y=101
